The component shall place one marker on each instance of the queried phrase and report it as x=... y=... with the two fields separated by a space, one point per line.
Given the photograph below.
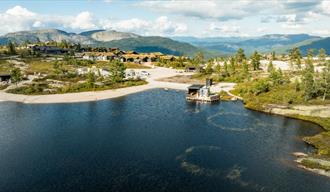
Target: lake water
x=151 y=141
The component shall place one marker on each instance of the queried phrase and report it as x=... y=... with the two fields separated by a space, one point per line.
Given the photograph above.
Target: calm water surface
x=151 y=141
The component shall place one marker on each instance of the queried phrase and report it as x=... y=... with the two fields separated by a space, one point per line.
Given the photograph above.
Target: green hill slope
x=154 y=44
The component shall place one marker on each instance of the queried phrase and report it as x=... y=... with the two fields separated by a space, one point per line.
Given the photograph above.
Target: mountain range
x=281 y=43
x=110 y=38
x=177 y=45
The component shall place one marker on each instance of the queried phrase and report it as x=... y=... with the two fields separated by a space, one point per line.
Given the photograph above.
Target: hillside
x=321 y=43
x=153 y=44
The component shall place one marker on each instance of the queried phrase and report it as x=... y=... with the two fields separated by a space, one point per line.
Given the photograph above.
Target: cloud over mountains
x=177 y=17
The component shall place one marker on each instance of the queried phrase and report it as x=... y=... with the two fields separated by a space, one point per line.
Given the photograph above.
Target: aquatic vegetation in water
x=252 y=126
x=211 y=121
x=195 y=169
x=234 y=174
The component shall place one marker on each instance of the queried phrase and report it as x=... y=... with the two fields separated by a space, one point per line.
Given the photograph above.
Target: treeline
x=303 y=77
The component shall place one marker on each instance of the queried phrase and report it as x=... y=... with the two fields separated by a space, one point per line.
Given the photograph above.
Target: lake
x=152 y=141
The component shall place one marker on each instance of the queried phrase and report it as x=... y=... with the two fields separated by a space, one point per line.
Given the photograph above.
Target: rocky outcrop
x=305 y=110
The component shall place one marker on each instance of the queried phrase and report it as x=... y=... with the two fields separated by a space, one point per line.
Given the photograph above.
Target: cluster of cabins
x=129 y=56
x=47 y=49
x=104 y=54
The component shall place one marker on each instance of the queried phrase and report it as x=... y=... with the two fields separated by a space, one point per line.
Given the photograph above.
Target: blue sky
x=204 y=18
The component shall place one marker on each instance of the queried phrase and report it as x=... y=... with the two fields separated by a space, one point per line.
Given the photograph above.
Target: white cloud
x=221 y=29
x=20 y=12
x=130 y=25
x=160 y=26
x=325 y=7
x=214 y=9
x=291 y=12
x=15 y=19
x=292 y=26
x=165 y=26
x=292 y=18
x=229 y=29
x=19 y=18
x=83 y=20
x=262 y=29
x=37 y=24
x=322 y=32
x=210 y=18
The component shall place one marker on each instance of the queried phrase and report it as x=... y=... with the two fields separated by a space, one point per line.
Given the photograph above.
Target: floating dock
x=202 y=93
x=211 y=98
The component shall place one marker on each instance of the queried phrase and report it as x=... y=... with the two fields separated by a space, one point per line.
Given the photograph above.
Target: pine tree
x=270 y=66
x=325 y=81
x=217 y=69
x=322 y=56
x=198 y=59
x=232 y=65
x=310 y=53
x=240 y=56
x=245 y=67
x=273 y=55
x=308 y=80
x=16 y=75
x=255 y=60
x=91 y=80
x=209 y=69
x=225 y=67
x=295 y=57
x=276 y=76
x=117 y=71
x=298 y=63
x=11 y=48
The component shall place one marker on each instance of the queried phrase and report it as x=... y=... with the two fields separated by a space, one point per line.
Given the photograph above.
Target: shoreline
x=84 y=96
x=311 y=119
x=154 y=82
x=89 y=96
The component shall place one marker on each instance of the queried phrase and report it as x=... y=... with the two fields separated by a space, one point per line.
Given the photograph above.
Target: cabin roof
x=195 y=87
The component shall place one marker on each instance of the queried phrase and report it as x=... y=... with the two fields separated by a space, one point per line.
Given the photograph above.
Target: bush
x=261 y=86
x=33 y=89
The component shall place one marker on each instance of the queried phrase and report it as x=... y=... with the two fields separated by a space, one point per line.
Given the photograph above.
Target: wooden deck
x=211 y=98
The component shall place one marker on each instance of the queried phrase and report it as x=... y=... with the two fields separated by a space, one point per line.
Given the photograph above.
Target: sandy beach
x=155 y=74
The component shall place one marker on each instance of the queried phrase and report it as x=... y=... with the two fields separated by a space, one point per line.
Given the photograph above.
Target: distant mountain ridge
x=104 y=36
x=44 y=36
x=266 y=43
x=186 y=45
x=107 y=38
x=88 y=37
